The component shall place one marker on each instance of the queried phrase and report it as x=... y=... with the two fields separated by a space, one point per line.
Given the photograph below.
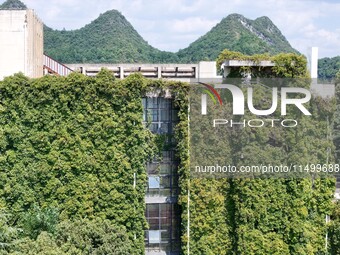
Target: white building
x=21 y=43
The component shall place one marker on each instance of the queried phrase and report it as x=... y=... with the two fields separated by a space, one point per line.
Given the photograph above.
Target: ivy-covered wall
x=334 y=228
x=264 y=215
x=74 y=144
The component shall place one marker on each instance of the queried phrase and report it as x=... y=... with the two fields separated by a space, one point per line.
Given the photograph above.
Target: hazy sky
x=173 y=24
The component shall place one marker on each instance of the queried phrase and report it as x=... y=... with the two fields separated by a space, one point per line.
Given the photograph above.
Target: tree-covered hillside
x=111 y=39
x=108 y=39
x=13 y=5
x=328 y=67
x=237 y=33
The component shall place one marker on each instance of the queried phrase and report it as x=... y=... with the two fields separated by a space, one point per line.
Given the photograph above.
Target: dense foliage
x=328 y=67
x=334 y=230
x=72 y=145
x=81 y=237
x=13 y=5
x=237 y=33
x=108 y=39
x=287 y=65
x=69 y=147
x=111 y=39
x=337 y=117
x=262 y=215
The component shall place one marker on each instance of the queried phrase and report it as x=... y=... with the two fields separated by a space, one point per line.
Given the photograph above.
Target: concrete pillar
x=207 y=69
x=121 y=72
x=314 y=63
x=227 y=71
x=159 y=72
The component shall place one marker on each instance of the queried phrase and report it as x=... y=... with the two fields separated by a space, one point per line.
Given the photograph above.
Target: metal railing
x=54 y=67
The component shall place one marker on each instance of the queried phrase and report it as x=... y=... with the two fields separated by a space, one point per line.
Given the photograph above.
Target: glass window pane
x=154 y=236
x=165 y=168
x=167 y=156
x=165 y=223
x=164 y=102
x=152 y=115
x=165 y=236
x=165 y=115
x=152 y=168
x=154 y=182
x=152 y=102
x=175 y=181
x=165 y=210
x=154 y=127
x=153 y=210
x=153 y=223
x=164 y=128
x=165 y=182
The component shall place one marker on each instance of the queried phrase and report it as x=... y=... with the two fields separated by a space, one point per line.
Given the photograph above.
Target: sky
x=171 y=25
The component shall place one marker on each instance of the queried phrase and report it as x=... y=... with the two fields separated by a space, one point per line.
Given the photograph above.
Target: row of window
x=163 y=219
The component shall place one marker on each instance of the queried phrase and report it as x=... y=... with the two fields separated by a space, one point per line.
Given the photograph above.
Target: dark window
x=163 y=234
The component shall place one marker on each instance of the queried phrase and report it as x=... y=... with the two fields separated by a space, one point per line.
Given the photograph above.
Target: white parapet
x=207 y=69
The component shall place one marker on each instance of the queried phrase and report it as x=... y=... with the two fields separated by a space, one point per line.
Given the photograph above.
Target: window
x=154 y=236
x=154 y=182
x=160 y=116
x=165 y=115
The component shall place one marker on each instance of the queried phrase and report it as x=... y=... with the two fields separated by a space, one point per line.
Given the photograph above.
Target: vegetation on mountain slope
x=111 y=39
x=108 y=39
x=328 y=68
x=237 y=33
x=13 y=5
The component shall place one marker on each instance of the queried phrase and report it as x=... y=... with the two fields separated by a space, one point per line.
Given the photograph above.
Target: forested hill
x=328 y=67
x=13 y=5
x=108 y=39
x=237 y=33
x=112 y=39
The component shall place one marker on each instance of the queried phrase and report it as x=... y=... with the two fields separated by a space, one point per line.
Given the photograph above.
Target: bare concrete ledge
x=239 y=63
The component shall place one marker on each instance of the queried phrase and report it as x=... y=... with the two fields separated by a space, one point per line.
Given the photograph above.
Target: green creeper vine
x=287 y=65
x=73 y=144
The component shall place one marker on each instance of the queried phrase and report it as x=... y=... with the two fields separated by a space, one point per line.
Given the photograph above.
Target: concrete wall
x=35 y=45
x=322 y=90
x=179 y=72
x=21 y=43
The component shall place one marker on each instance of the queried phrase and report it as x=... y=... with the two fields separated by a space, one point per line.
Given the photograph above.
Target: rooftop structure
x=21 y=43
x=182 y=72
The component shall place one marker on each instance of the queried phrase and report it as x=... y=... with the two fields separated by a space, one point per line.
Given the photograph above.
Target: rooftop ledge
x=248 y=63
